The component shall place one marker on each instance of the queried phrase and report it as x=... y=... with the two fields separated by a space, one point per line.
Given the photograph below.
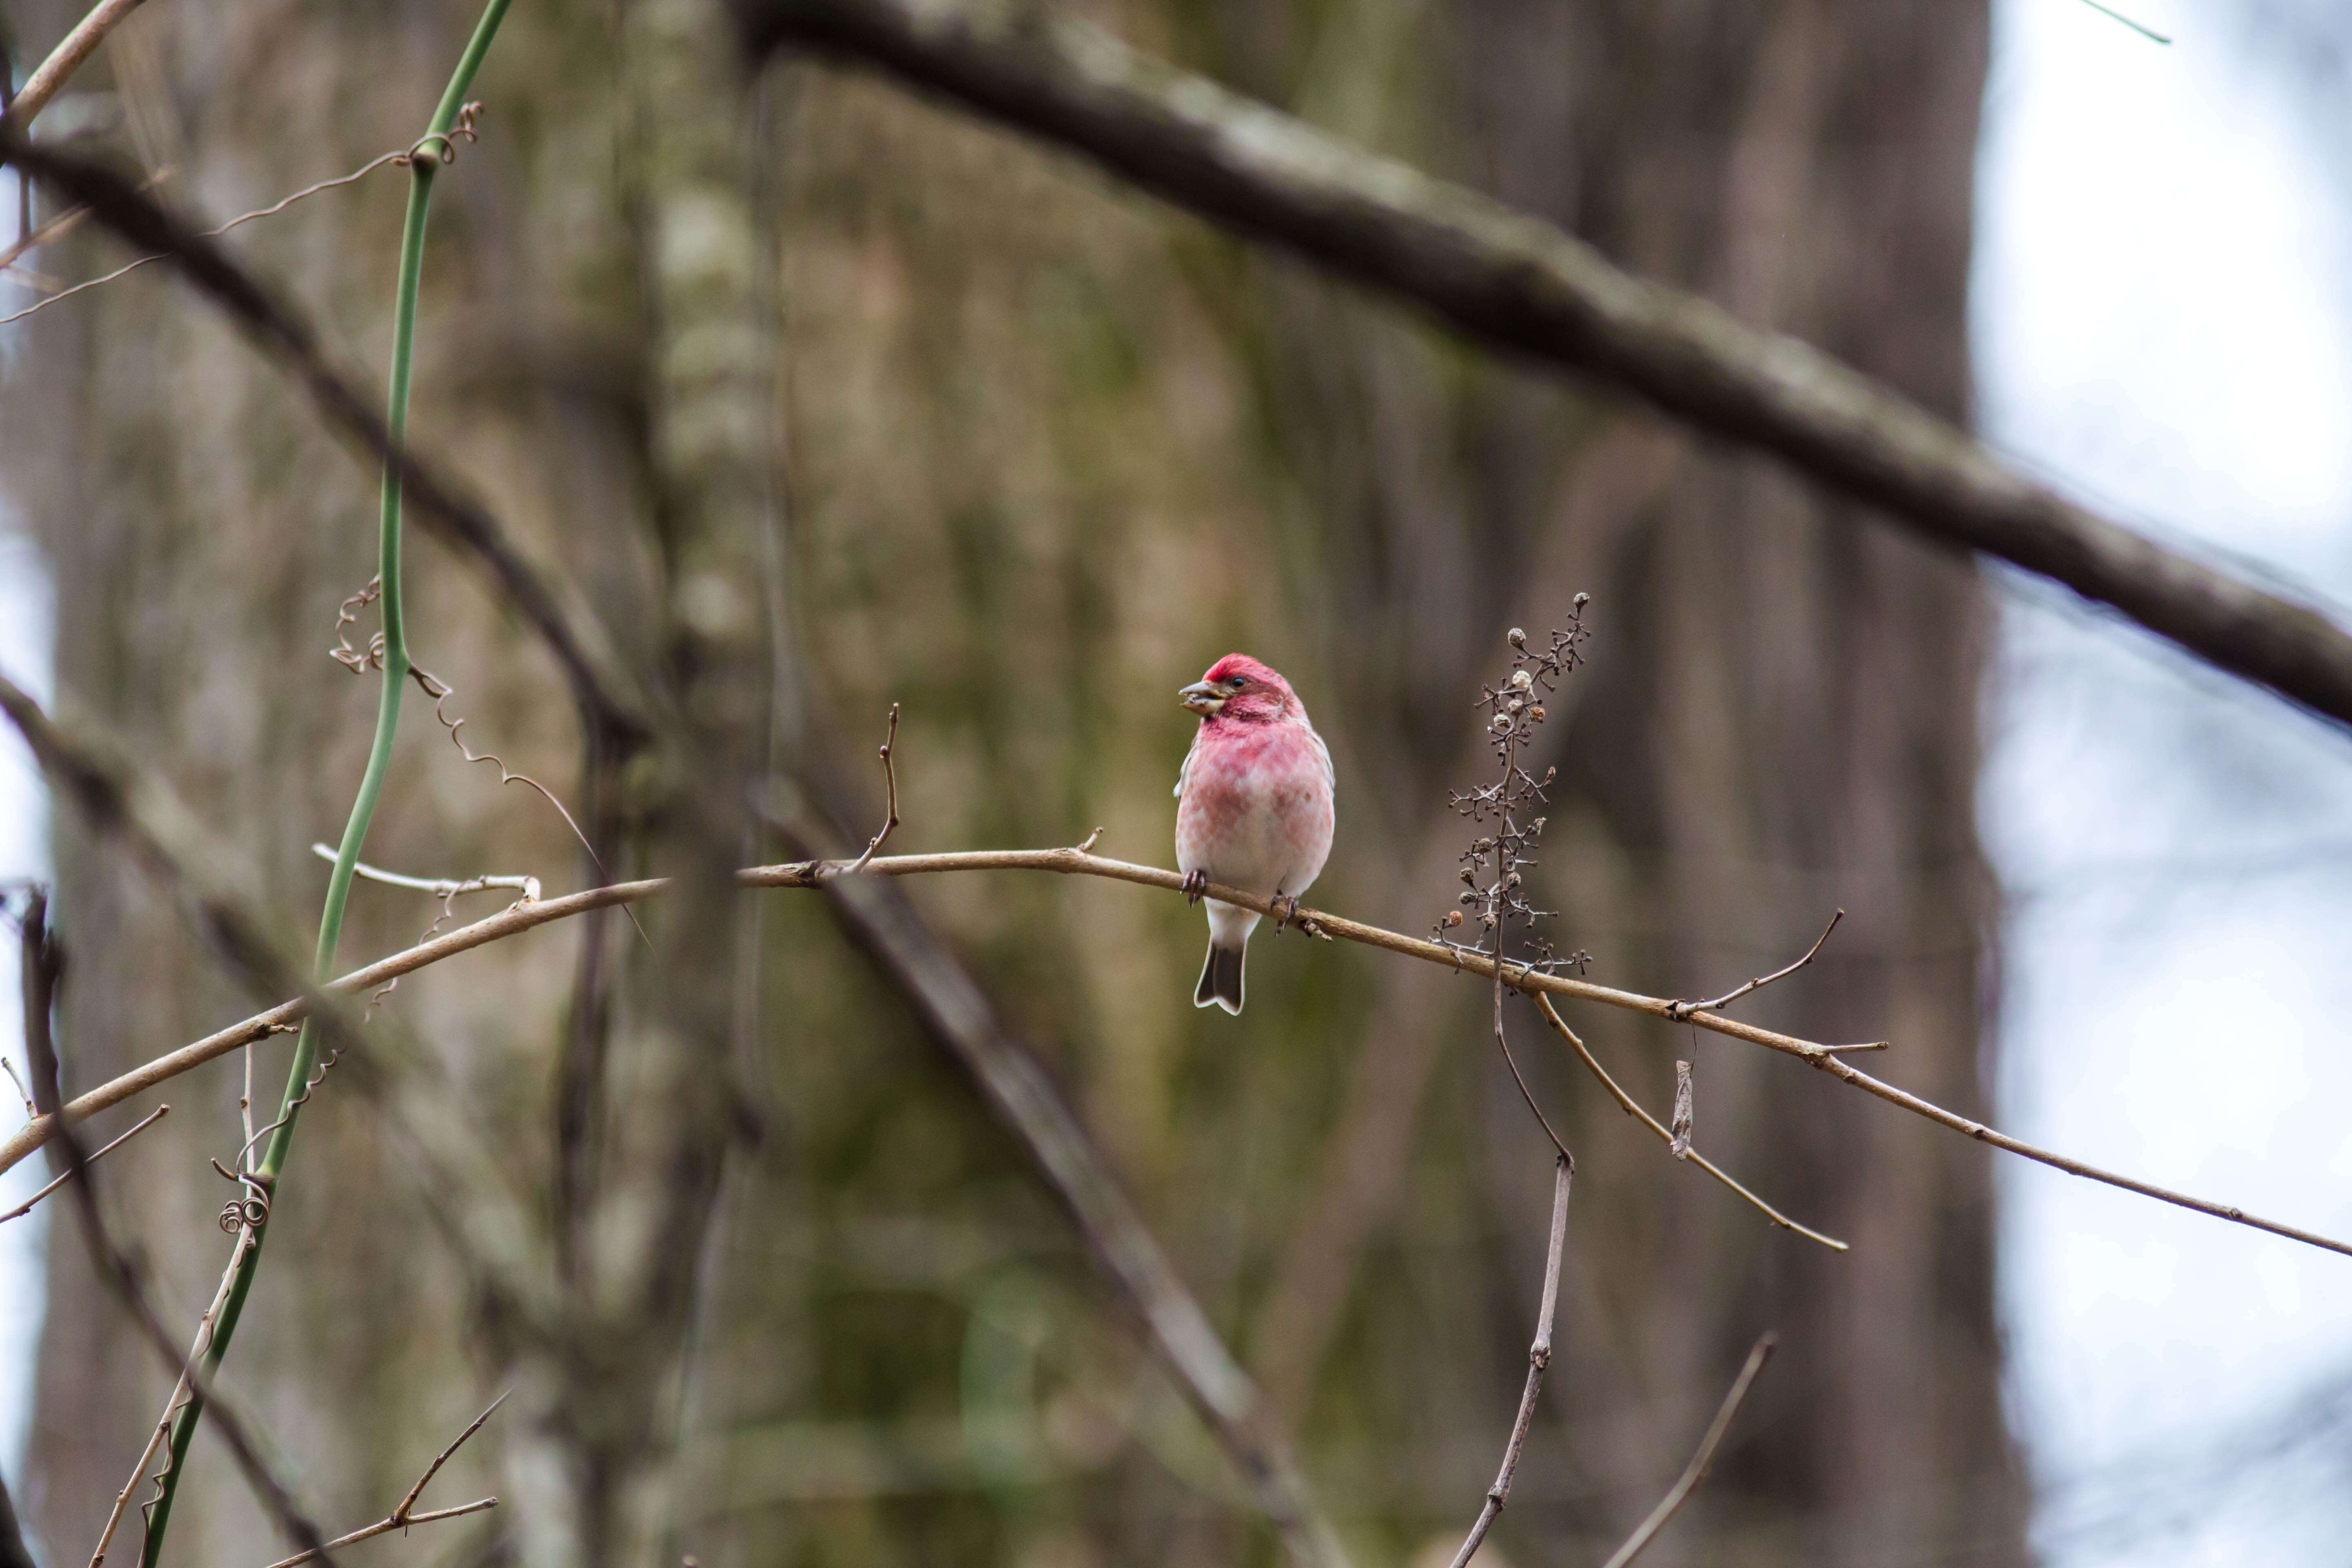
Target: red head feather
x=1262 y=696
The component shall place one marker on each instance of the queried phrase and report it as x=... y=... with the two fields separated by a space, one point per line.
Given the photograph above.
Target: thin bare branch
x=890 y=782
x=1683 y=1010
x=1076 y=862
x=64 y=60
x=136 y=1128
x=23 y=1093
x=440 y=886
x=442 y=1459
x=1538 y=1359
x=1695 y=1471
x=404 y=1516
x=386 y=1526
x=2113 y=14
x=57 y=227
x=1626 y=1102
x=1531 y=291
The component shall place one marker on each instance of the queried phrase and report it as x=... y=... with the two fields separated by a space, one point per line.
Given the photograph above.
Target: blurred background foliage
x=1043 y=452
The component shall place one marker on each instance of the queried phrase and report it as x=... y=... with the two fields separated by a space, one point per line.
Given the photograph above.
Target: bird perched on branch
x=1253 y=809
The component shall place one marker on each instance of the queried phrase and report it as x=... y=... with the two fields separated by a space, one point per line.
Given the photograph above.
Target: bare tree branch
x=1077 y=862
x=1538 y=1359
x=402 y=1517
x=494 y=1235
x=1625 y=1102
x=881 y=920
x=1525 y=288
x=607 y=696
x=115 y=1268
x=1695 y=1471
x=95 y=1155
x=65 y=60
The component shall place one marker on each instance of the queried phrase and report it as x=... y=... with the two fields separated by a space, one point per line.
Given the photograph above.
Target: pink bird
x=1253 y=808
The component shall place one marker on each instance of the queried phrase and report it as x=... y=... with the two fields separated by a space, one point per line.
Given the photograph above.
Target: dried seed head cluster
x=1495 y=868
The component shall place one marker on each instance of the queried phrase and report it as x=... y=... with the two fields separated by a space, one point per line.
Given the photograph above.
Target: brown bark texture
x=961 y=426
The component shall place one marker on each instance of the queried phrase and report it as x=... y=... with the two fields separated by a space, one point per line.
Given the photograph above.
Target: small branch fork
x=890 y=782
x=1681 y=1012
x=1626 y=1102
x=1538 y=1359
x=1695 y=1471
x=404 y=1516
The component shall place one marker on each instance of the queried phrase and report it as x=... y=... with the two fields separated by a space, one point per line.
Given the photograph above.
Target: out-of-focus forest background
x=1041 y=451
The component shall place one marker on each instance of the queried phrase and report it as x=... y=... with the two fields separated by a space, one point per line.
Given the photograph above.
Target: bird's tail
x=1220 y=977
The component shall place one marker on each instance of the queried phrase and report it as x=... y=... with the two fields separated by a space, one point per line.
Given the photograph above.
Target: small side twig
x=890 y=782
x=444 y=888
x=404 y=1516
x=1626 y=1103
x=1538 y=1359
x=31 y=1111
x=1680 y=1011
x=1695 y=1471
x=138 y=1127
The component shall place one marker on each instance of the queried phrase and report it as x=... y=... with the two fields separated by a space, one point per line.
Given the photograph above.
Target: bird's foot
x=1285 y=910
x=1195 y=883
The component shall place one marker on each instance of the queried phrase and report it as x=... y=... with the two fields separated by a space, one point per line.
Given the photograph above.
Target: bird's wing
x=1186 y=770
x=1331 y=778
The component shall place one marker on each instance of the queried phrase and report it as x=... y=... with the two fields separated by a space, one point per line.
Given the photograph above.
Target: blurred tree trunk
x=1051 y=451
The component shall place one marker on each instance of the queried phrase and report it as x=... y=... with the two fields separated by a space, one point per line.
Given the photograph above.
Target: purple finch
x=1253 y=807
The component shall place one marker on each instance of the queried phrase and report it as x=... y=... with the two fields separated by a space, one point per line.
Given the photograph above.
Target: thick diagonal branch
x=879 y=917
x=602 y=688
x=1522 y=286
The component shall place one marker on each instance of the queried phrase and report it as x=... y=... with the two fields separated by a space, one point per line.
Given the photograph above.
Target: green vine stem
x=430 y=152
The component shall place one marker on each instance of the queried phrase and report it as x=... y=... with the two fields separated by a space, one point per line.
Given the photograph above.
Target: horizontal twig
x=1528 y=288
x=447 y=887
x=1077 y=862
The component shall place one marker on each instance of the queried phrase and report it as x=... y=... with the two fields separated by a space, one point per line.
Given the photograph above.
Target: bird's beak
x=1203 y=699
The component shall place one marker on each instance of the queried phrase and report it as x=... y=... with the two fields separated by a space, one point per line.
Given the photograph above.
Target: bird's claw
x=1285 y=910
x=1196 y=882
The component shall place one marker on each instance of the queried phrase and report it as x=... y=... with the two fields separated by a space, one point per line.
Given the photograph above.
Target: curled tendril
x=446 y=153
x=250 y=1209
x=347 y=614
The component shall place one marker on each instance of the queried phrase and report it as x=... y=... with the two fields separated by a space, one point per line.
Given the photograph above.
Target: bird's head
x=1239 y=687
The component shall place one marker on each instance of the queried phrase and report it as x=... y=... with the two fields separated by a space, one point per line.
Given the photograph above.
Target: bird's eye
x=1237 y=681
